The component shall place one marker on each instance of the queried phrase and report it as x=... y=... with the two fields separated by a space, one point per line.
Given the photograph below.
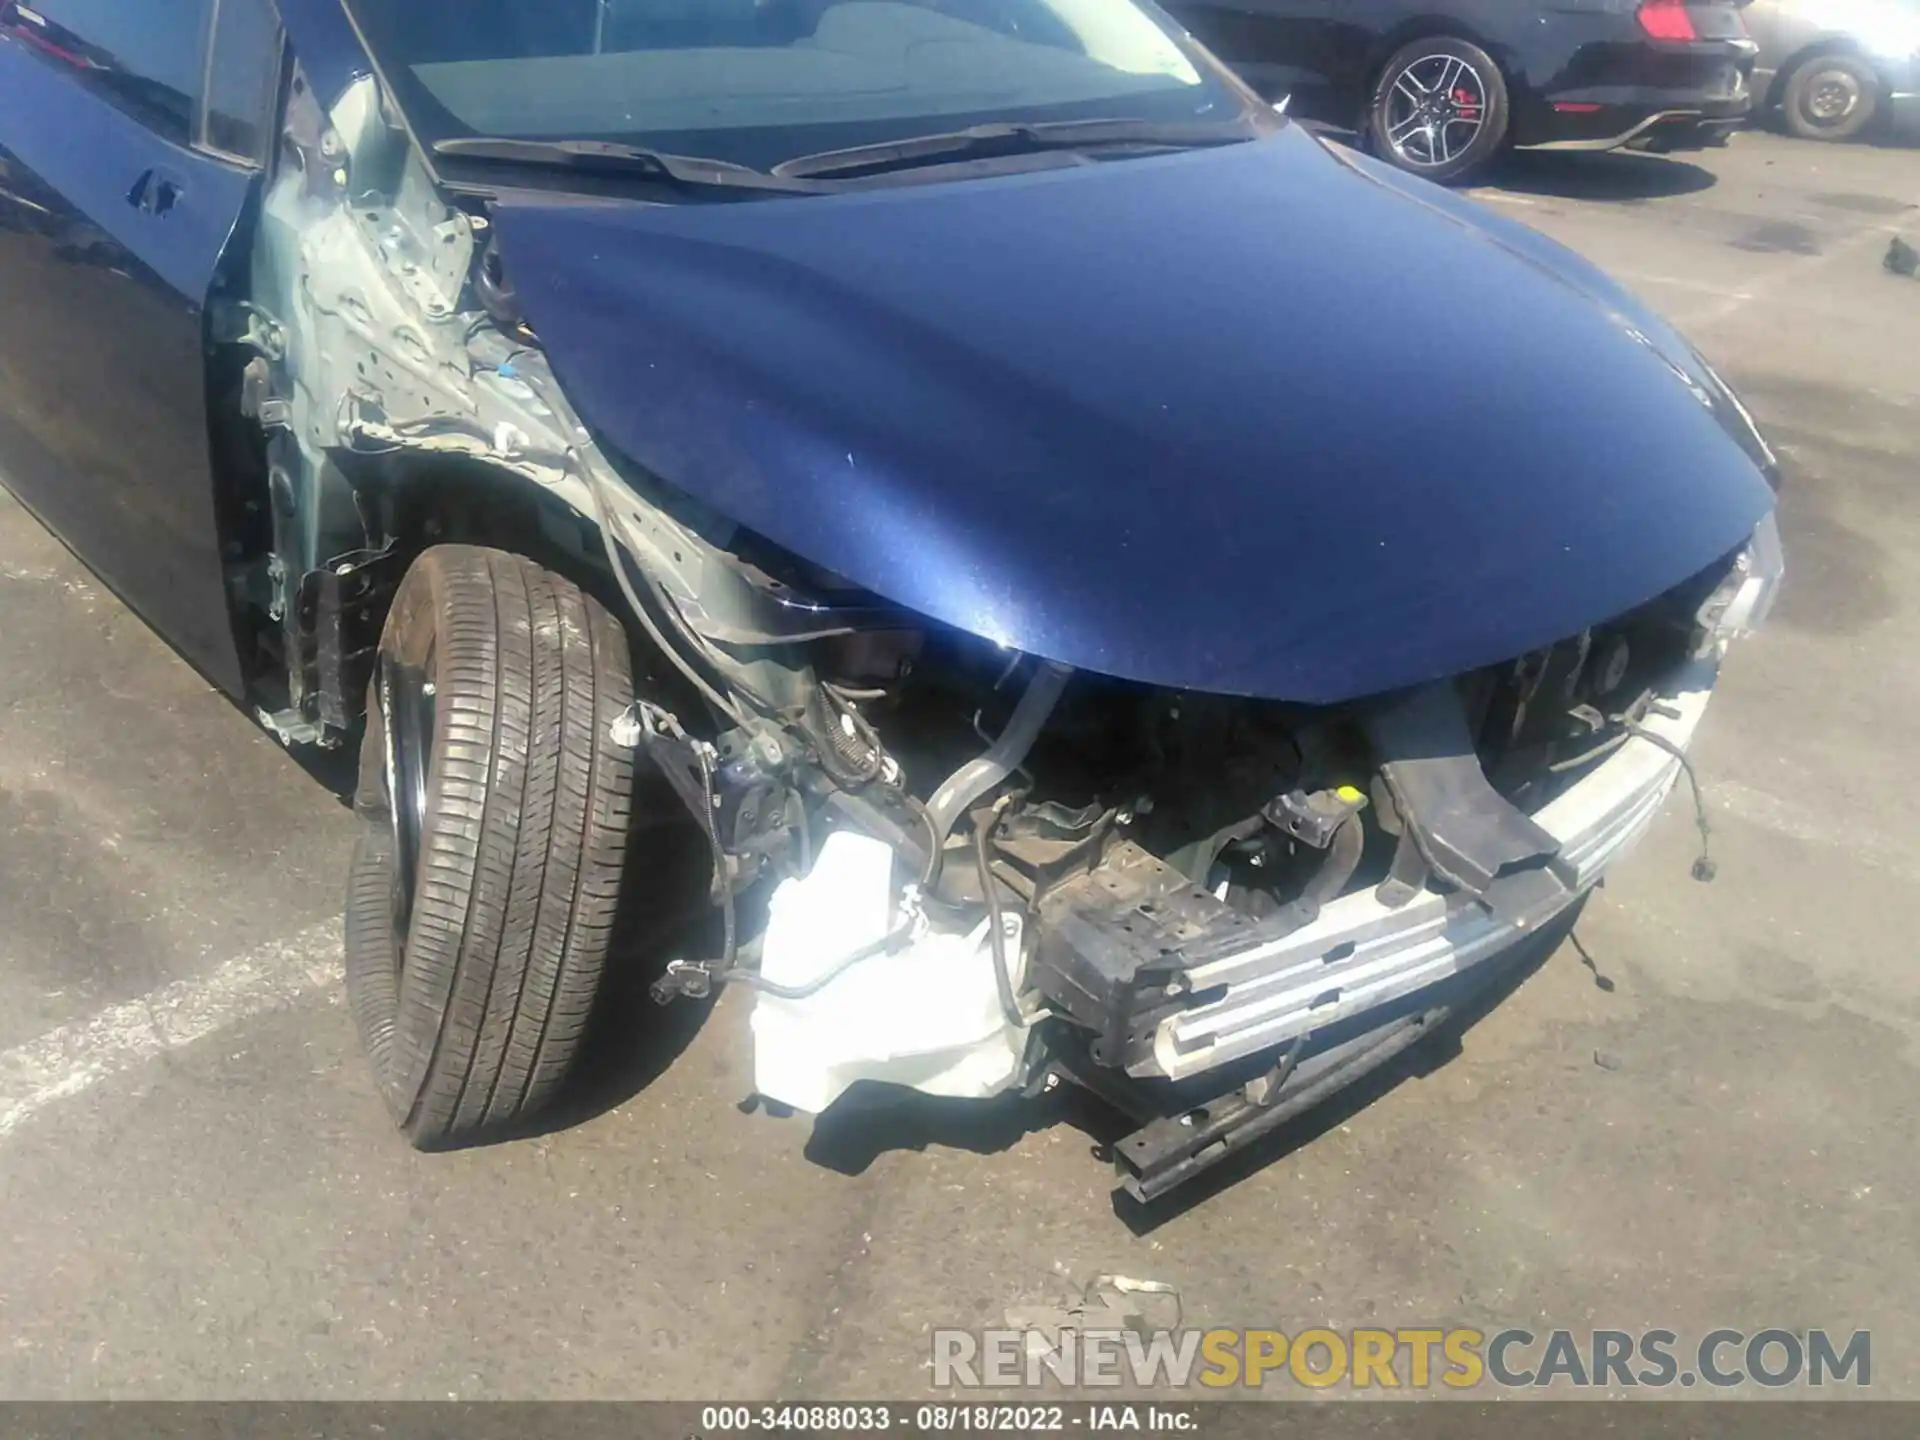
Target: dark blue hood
x=1256 y=420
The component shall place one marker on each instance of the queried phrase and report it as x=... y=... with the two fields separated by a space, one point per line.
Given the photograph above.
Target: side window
x=243 y=79
x=143 y=55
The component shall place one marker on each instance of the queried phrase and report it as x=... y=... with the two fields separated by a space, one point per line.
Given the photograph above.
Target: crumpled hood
x=1258 y=420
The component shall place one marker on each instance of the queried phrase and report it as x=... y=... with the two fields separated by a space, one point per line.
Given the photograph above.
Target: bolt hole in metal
x=1436 y=106
x=407 y=708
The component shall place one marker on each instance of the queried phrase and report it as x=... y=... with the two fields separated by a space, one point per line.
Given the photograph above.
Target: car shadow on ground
x=1881 y=135
x=873 y=1120
x=336 y=770
x=1619 y=175
x=1573 y=174
x=632 y=1039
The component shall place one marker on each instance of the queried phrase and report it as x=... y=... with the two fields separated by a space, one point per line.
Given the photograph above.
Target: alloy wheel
x=1436 y=107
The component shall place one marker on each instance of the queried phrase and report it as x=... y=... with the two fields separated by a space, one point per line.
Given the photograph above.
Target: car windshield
x=758 y=82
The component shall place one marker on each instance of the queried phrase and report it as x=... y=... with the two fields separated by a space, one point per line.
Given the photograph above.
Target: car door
x=115 y=211
x=1285 y=49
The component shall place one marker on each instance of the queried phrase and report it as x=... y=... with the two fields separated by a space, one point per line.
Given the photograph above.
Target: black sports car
x=1439 y=87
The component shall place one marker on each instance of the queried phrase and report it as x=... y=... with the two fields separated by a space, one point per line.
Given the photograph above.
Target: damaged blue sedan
x=1065 y=576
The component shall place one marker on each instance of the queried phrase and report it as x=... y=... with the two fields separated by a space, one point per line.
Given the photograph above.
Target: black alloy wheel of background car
x=1440 y=109
x=1441 y=87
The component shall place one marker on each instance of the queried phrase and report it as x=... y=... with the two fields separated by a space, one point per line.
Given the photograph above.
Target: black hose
x=819 y=982
x=1703 y=868
x=854 y=692
x=930 y=872
x=1590 y=754
x=996 y=937
x=722 y=875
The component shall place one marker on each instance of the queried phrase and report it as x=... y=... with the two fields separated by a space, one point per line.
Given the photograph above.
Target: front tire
x=1439 y=109
x=1830 y=97
x=494 y=822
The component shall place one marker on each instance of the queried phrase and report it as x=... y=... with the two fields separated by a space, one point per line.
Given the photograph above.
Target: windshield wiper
x=611 y=156
x=1014 y=138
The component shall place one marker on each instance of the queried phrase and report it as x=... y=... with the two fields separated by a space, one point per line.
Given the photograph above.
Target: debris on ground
x=1106 y=1302
x=1902 y=258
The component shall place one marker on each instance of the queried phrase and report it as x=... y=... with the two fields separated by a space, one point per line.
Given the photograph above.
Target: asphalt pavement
x=1697 y=1112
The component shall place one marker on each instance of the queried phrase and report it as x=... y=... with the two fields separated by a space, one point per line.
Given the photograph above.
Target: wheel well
x=420 y=502
x=405 y=504
x=417 y=502
x=1827 y=45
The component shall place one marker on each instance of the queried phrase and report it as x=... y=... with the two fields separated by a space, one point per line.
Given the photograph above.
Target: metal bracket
x=1175 y=1148
x=1465 y=830
x=683 y=979
x=1314 y=819
x=337 y=612
x=291 y=728
x=685 y=761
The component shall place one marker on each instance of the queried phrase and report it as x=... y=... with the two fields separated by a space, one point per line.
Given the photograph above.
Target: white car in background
x=1834 y=68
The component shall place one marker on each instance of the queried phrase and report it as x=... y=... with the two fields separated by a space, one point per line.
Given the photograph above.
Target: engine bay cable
x=1632 y=727
x=849 y=747
x=1703 y=867
x=722 y=871
x=606 y=521
x=983 y=831
x=826 y=977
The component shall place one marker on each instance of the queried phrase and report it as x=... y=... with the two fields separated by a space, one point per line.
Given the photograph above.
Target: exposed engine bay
x=941 y=863
x=986 y=870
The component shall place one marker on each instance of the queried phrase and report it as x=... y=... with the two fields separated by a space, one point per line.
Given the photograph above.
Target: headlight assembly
x=1740 y=603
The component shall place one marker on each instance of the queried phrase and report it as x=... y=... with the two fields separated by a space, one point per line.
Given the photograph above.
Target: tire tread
x=529 y=808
